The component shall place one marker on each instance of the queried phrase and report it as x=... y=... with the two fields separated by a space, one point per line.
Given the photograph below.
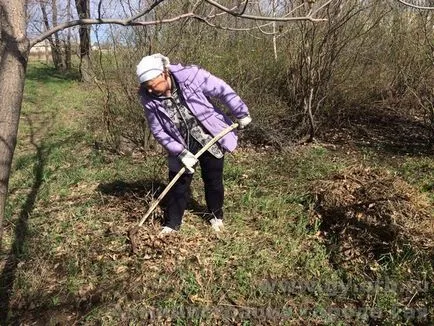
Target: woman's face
x=159 y=85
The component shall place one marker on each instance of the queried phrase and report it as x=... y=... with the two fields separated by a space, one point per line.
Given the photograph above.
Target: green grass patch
x=272 y=264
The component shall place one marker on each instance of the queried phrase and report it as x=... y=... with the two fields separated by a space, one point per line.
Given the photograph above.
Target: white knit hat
x=151 y=66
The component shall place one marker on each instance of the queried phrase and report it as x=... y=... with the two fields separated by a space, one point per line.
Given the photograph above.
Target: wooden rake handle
x=172 y=182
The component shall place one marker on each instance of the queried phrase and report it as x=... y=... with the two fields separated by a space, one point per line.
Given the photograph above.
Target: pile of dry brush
x=368 y=213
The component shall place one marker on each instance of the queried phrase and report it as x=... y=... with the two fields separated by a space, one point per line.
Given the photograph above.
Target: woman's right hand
x=188 y=159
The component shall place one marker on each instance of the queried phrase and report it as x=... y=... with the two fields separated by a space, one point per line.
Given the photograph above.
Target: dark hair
x=141 y=91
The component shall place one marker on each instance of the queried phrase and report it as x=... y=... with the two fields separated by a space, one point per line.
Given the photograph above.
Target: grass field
x=66 y=256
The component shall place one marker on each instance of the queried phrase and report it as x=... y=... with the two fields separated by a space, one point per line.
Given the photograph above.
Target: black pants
x=212 y=176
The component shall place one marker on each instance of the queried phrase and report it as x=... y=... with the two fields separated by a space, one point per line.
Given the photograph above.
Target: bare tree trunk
x=14 y=48
x=308 y=92
x=83 y=12
x=57 y=41
x=47 y=54
x=274 y=32
x=309 y=114
x=68 y=51
x=56 y=52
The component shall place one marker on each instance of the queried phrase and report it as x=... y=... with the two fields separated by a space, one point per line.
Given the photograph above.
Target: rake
x=177 y=176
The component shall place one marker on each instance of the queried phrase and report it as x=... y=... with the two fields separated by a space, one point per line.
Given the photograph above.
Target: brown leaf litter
x=147 y=243
x=366 y=213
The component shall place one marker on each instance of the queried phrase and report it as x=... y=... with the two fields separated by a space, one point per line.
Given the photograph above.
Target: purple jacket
x=197 y=86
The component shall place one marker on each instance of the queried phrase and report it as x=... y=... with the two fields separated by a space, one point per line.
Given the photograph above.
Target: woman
x=182 y=119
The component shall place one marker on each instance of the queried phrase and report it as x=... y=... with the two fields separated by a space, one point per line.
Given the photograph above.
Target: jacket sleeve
x=172 y=146
x=215 y=87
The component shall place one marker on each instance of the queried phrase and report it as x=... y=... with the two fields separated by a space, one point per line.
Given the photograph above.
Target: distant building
x=41 y=51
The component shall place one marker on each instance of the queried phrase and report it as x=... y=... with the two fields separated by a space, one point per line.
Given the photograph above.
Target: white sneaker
x=216 y=224
x=166 y=230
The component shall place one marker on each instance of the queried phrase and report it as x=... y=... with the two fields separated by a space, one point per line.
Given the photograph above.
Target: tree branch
x=99 y=9
x=90 y=21
x=206 y=21
x=244 y=9
x=144 y=12
x=132 y=21
x=415 y=6
x=282 y=19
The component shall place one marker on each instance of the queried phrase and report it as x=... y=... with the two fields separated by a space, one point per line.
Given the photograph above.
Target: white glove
x=187 y=158
x=243 y=122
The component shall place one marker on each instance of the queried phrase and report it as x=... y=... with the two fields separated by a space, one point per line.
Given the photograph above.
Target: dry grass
x=369 y=212
x=68 y=257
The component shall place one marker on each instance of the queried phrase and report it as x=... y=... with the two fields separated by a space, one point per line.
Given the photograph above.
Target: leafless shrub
x=297 y=78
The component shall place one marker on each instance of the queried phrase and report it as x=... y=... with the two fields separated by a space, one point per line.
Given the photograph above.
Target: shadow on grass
x=384 y=130
x=7 y=277
x=137 y=192
x=46 y=73
x=138 y=189
x=65 y=313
